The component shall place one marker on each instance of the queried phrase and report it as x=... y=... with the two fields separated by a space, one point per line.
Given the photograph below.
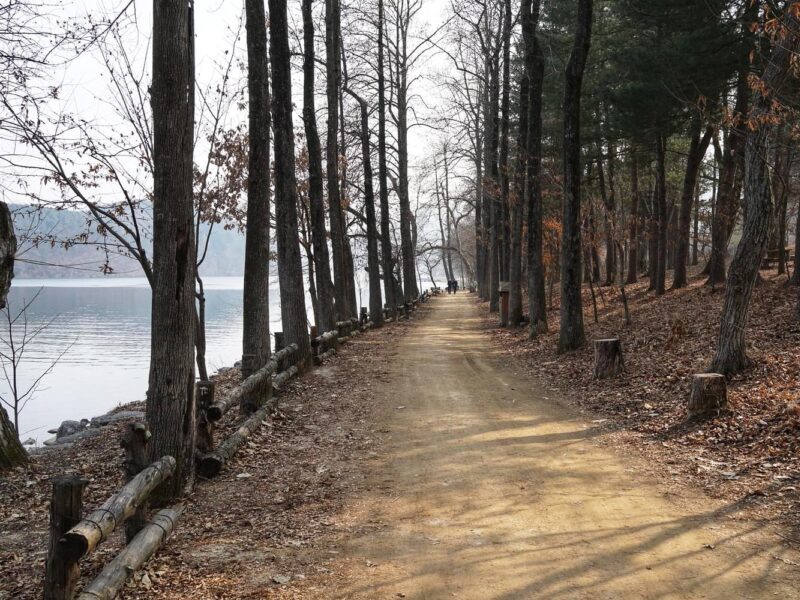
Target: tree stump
x=608 y=361
x=709 y=395
x=62 y=573
x=134 y=442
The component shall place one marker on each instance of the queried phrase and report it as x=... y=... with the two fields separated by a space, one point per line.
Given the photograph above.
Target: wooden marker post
x=61 y=573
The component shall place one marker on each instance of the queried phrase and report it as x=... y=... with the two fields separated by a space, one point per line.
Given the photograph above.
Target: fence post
x=61 y=574
x=134 y=442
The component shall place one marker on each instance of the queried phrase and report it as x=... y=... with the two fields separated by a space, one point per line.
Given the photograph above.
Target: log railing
x=73 y=538
x=250 y=385
x=127 y=507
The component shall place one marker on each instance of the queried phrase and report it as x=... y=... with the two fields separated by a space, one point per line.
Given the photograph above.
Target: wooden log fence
x=250 y=385
x=72 y=538
x=210 y=465
x=112 y=578
x=91 y=531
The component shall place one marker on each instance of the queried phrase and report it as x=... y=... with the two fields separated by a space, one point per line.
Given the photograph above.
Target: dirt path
x=488 y=489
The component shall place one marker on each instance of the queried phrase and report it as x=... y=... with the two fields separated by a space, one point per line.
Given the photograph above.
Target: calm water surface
x=105 y=324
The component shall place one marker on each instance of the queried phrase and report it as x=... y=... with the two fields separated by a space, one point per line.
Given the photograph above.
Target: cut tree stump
x=709 y=395
x=608 y=361
x=62 y=573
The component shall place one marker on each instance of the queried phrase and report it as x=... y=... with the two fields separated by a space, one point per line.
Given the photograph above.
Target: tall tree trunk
x=696 y=226
x=373 y=261
x=534 y=66
x=697 y=150
x=255 y=308
x=12 y=453
x=517 y=208
x=796 y=273
x=571 y=333
x=503 y=231
x=325 y=289
x=609 y=204
x=661 y=215
x=731 y=356
x=290 y=268
x=383 y=177
x=170 y=394
x=493 y=183
x=633 y=222
x=727 y=195
x=333 y=84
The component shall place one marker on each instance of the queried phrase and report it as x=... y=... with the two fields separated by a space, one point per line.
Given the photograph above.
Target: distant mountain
x=39 y=256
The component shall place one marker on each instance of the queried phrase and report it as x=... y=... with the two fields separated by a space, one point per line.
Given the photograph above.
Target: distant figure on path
x=455 y=286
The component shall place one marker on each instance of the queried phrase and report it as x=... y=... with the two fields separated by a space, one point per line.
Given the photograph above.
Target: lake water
x=103 y=328
x=104 y=325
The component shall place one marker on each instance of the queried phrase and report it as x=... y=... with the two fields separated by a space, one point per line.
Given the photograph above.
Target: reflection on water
x=107 y=321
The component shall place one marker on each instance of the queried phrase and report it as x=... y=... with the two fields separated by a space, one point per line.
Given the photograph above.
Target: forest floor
x=426 y=462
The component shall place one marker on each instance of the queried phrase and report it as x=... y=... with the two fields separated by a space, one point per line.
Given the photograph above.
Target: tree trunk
x=661 y=215
x=333 y=84
x=727 y=196
x=517 y=208
x=255 y=307
x=170 y=394
x=633 y=223
x=697 y=150
x=373 y=261
x=571 y=333
x=609 y=204
x=731 y=356
x=383 y=176
x=12 y=453
x=407 y=246
x=534 y=66
x=503 y=230
x=322 y=269
x=290 y=269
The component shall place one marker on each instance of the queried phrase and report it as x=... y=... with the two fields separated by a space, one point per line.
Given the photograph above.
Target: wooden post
x=608 y=361
x=709 y=395
x=279 y=345
x=505 y=292
x=134 y=441
x=204 y=392
x=61 y=573
x=248 y=365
